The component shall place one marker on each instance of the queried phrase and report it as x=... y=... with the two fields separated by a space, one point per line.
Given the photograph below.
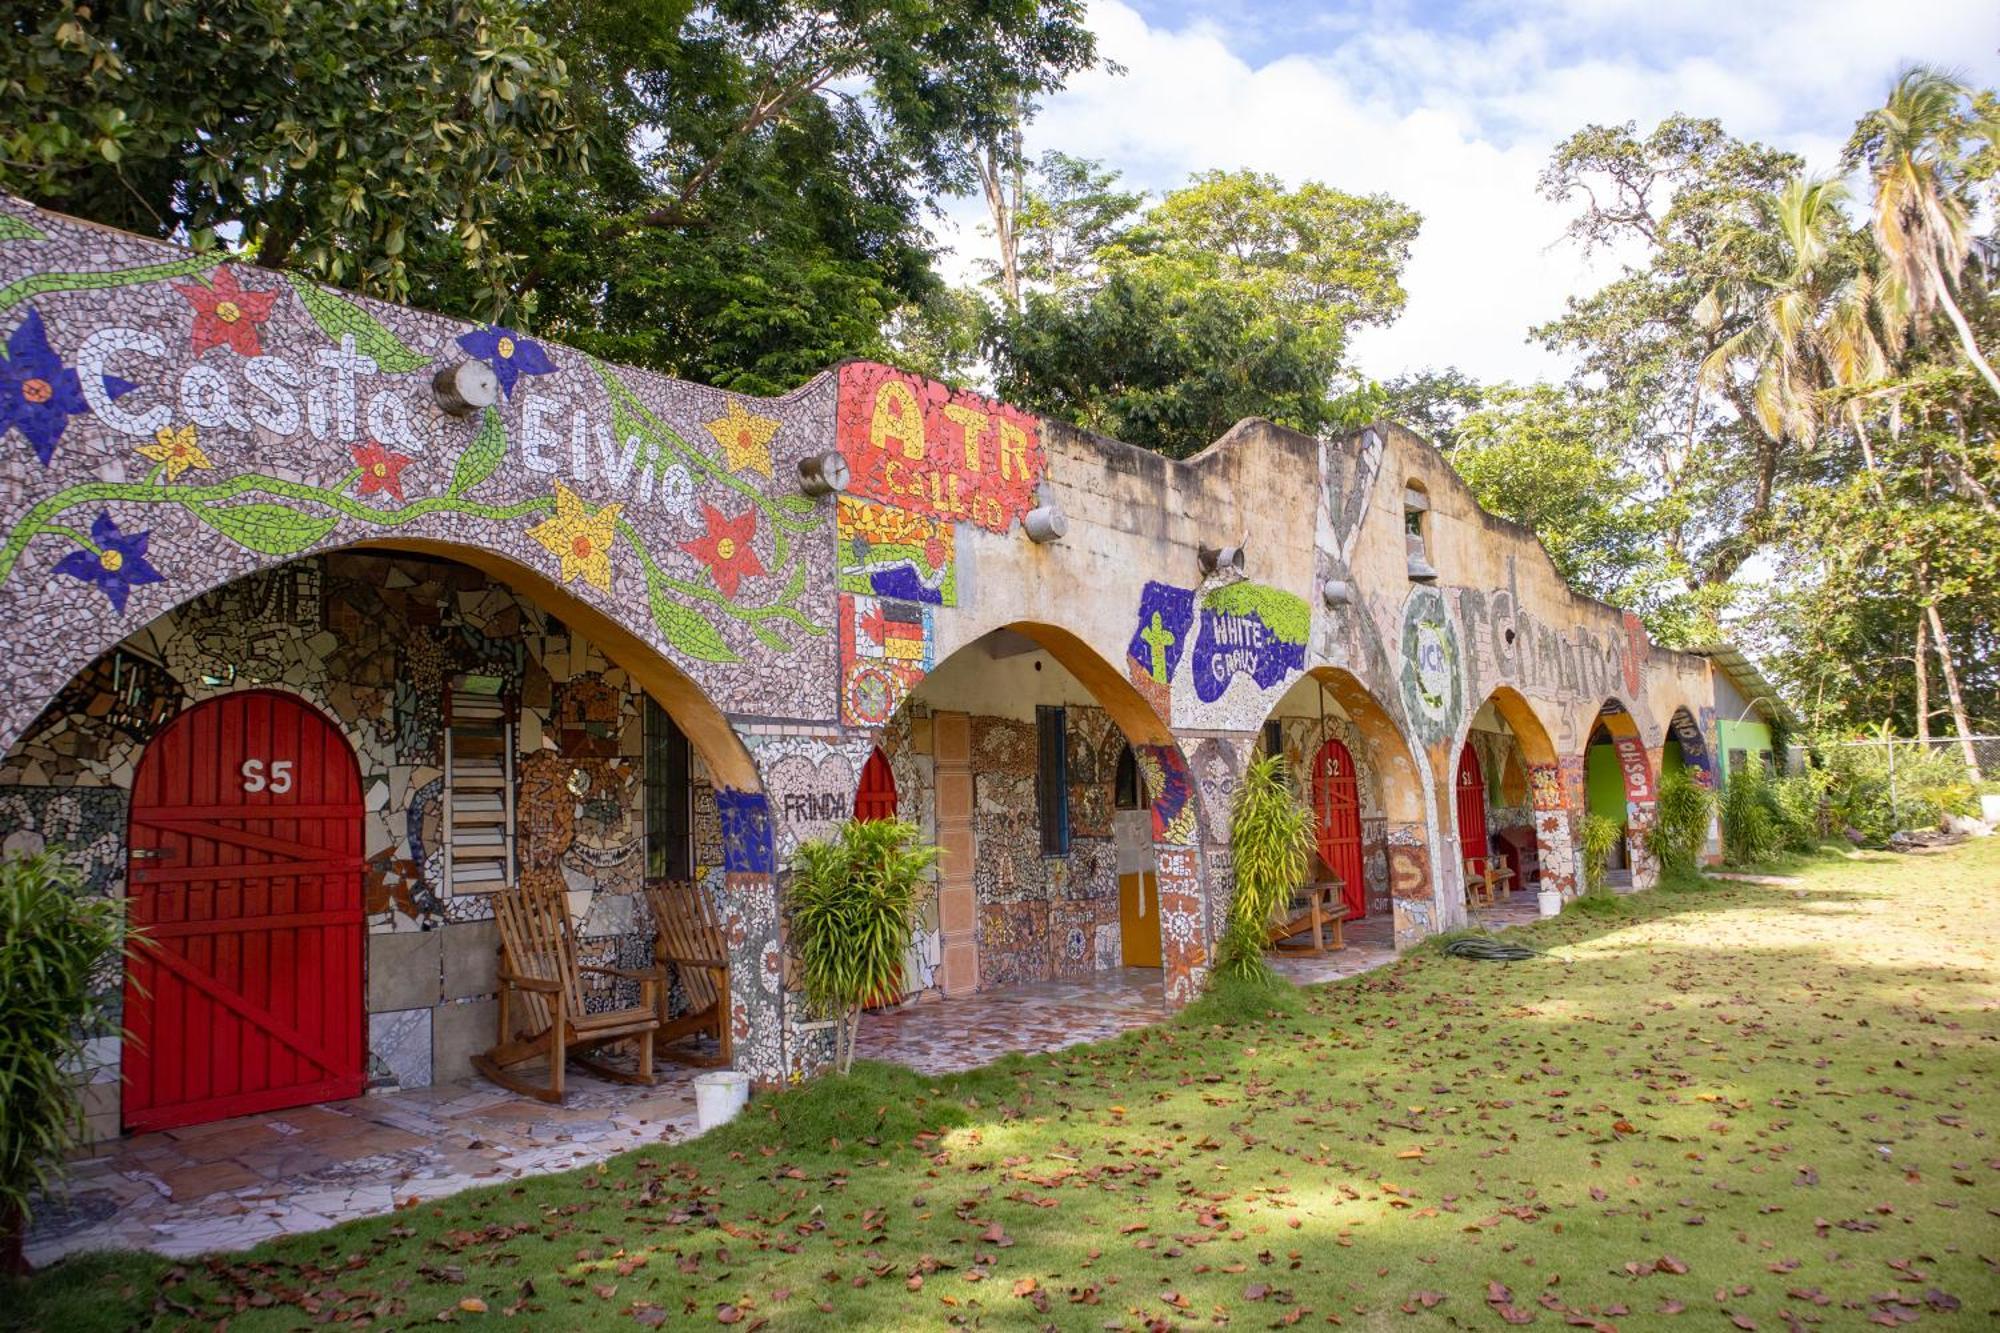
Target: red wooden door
x=876 y=798
x=1471 y=806
x=246 y=848
x=1337 y=817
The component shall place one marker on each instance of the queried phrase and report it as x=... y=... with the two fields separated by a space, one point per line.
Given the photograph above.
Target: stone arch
x=1397 y=777
x=963 y=778
x=1623 y=752
x=1690 y=746
x=1547 y=796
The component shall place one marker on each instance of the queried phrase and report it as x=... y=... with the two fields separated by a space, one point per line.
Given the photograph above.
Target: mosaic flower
x=226 y=313
x=117 y=566
x=510 y=355
x=38 y=393
x=381 y=471
x=677 y=493
x=745 y=438
x=179 y=448
x=726 y=548
x=580 y=539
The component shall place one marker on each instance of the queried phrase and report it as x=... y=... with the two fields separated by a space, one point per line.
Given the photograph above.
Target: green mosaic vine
x=291 y=519
x=1286 y=616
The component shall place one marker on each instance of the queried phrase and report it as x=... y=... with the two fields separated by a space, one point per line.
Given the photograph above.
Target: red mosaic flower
x=380 y=470
x=726 y=548
x=226 y=313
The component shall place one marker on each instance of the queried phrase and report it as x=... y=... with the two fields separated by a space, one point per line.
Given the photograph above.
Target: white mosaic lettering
x=93 y=364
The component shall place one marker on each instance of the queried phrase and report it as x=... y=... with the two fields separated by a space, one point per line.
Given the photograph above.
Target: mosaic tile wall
x=375 y=641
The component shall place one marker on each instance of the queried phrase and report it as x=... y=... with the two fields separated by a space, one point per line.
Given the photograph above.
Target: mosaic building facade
x=654 y=629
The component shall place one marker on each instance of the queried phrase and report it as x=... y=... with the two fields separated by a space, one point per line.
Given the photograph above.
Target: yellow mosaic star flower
x=580 y=539
x=745 y=438
x=177 y=447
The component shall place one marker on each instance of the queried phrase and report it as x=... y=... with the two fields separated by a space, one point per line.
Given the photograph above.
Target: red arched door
x=246 y=848
x=1471 y=807
x=876 y=798
x=1337 y=814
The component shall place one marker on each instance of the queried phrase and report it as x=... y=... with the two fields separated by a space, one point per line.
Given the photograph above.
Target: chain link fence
x=1920 y=780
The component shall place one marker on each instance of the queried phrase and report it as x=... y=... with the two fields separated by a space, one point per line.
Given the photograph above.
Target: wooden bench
x=688 y=935
x=1311 y=910
x=542 y=1009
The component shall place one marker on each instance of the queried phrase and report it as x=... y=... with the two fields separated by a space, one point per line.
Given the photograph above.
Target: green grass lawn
x=1747 y=1105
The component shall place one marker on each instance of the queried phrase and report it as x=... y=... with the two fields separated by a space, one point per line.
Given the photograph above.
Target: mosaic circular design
x=872 y=694
x=1433 y=668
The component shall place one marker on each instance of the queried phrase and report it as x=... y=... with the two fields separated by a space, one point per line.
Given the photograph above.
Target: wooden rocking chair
x=1313 y=908
x=542 y=1013
x=691 y=939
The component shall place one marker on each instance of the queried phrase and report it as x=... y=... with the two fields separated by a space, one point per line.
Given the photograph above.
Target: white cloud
x=1457 y=123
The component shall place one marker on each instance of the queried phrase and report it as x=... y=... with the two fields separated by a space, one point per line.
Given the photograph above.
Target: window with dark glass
x=1128 y=789
x=1052 y=779
x=669 y=817
x=1274 y=738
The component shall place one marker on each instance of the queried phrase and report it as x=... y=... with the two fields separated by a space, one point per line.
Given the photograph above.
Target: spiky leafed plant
x=1270 y=840
x=1914 y=146
x=1750 y=831
x=53 y=936
x=1598 y=836
x=853 y=902
x=1788 y=277
x=1681 y=814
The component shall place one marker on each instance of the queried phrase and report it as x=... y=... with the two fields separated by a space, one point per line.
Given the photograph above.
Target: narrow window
x=669 y=818
x=1128 y=790
x=1052 y=779
x=1274 y=738
x=478 y=785
x=1416 y=532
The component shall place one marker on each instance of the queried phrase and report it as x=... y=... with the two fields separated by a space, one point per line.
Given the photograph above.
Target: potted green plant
x=1271 y=841
x=853 y=905
x=53 y=935
x=1599 y=836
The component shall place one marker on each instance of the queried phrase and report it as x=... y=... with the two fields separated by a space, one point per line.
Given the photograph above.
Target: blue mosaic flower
x=510 y=355
x=38 y=393
x=118 y=564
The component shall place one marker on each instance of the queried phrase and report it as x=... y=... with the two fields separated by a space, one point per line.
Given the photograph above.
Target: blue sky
x=1453 y=108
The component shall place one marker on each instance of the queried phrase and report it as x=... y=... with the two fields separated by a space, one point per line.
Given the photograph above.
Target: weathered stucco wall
x=175 y=426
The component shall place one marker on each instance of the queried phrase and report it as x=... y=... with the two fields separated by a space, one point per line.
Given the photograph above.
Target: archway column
x=1187 y=902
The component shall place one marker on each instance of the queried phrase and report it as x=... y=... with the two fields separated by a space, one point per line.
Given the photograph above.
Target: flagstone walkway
x=234 y=1183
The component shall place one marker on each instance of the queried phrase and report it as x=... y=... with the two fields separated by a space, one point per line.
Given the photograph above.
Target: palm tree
x=1922 y=223
x=1785 y=276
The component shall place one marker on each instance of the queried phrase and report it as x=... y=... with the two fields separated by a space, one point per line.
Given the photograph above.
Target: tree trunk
x=1964 y=330
x=13 y=1243
x=1958 y=718
x=993 y=175
x=1923 y=679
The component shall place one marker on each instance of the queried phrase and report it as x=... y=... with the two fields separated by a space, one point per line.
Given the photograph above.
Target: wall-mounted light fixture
x=1222 y=559
x=1336 y=593
x=465 y=388
x=1045 y=523
x=823 y=474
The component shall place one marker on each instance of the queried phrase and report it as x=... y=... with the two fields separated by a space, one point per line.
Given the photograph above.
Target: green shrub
x=1930 y=783
x=1599 y=836
x=1750 y=831
x=853 y=904
x=53 y=935
x=1798 y=808
x=1271 y=839
x=1680 y=822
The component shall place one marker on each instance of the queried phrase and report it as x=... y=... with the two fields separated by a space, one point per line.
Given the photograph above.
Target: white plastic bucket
x=1550 y=901
x=718 y=1096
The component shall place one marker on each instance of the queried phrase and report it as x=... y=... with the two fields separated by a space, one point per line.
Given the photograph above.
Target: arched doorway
x=875 y=798
x=1336 y=805
x=1365 y=788
x=1524 y=817
x=1471 y=806
x=1066 y=815
x=246 y=843
x=1618 y=786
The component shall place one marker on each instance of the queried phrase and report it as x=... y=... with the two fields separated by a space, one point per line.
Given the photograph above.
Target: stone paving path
x=234 y=1183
